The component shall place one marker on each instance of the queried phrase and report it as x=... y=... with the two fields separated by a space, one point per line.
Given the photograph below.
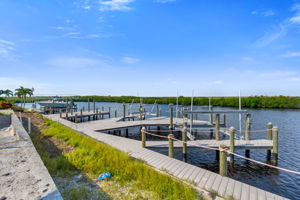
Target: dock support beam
x=171 y=145
x=160 y=112
x=217 y=126
x=270 y=136
x=124 y=111
x=89 y=106
x=76 y=118
x=141 y=112
x=275 y=144
x=171 y=118
x=184 y=143
x=109 y=111
x=248 y=127
x=126 y=132
x=143 y=133
x=224 y=119
x=157 y=111
x=116 y=113
x=94 y=105
x=223 y=160
x=231 y=148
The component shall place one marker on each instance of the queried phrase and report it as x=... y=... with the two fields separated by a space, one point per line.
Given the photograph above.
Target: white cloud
x=281 y=29
x=115 y=5
x=294 y=79
x=291 y=54
x=75 y=62
x=265 y=13
x=6 y=48
x=268 y=13
x=129 y=60
x=218 y=82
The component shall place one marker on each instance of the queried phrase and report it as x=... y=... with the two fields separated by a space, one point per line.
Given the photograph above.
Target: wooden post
x=171 y=145
x=67 y=116
x=126 y=132
x=270 y=136
x=178 y=113
x=60 y=114
x=94 y=105
x=82 y=108
x=97 y=114
x=109 y=111
x=224 y=119
x=171 y=118
x=141 y=112
x=223 y=160
x=143 y=132
x=275 y=144
x=116 y=113
x=248 y=126
x=217 y=126
x=231 y=147
x=211 y=133
x=29 y=125
x=76 y=118
x=184 y=142
x=102 y=108
x=124 y=111
x=81 y=115
x=160 y=112
x=270 y=127
x=157 y=111
x=89 y=106
x=211 y=117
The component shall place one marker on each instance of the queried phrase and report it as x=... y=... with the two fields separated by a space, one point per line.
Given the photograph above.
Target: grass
x=94 y=157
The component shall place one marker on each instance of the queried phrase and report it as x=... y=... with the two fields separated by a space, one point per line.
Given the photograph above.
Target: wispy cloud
x=116 y=5
x=281 y=29
x=265 y=13
x=291 y=54
x=75 y=62
x=129 y=60
x=6 y=48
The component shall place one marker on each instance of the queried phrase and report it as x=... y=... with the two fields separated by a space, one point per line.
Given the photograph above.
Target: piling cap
x=270 y=123
x=231 y=128
x=170 y=136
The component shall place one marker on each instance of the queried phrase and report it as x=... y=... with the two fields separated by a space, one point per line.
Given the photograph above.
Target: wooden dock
x=203 y=179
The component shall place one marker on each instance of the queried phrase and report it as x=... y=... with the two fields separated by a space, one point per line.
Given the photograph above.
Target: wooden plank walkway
x=203 y=179
x=239 y=144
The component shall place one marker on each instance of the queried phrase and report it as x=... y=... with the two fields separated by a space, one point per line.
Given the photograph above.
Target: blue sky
x=151 y=47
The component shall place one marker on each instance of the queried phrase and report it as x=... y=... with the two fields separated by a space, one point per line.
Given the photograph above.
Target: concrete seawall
x=23 y=174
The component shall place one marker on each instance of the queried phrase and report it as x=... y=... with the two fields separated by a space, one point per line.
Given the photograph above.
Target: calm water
x=275 y=181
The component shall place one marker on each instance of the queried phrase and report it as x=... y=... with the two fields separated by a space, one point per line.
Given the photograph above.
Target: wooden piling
x=224 y=119
x=116 y=113
x=124 y=111
x=94 y=105
x=89 y=106
x=211 y=117
x=171 y=145
x=157 y=111
x=143 y=133
x=81 y=116
x=160 y=112
x=109 y=111
x=171 y=118
x=270 y=127
x=184 y=142
x=60 y=114
x=275 y=144
x=269 y=137
x=126 y=132
x=141 y=112
x=83 y=108
x=223 y=160
x=232 y=135
x=76 y=118
x=217 y=126
x=248 y=126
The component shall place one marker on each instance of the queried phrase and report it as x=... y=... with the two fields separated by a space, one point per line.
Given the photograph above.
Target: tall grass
x=94 y=157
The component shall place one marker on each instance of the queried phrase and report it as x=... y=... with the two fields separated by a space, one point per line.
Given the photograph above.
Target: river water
x=272 y=180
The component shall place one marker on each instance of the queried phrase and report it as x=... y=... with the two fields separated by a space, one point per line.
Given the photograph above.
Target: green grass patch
x=94 y=157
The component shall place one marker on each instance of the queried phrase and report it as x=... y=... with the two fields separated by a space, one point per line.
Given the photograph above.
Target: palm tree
x=23 y=92
x=7 y=93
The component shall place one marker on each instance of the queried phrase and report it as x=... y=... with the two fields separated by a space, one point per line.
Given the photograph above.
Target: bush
x=5 y=105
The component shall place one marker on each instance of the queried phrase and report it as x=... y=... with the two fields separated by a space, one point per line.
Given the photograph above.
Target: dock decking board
x=203 y=178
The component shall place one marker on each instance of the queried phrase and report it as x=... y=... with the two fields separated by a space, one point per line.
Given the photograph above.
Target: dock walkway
x=203 y=179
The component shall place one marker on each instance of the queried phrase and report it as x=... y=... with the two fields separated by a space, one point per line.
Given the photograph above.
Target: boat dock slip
x=203 y=179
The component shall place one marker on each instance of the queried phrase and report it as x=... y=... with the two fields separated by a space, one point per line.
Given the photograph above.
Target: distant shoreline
x=281 y=102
